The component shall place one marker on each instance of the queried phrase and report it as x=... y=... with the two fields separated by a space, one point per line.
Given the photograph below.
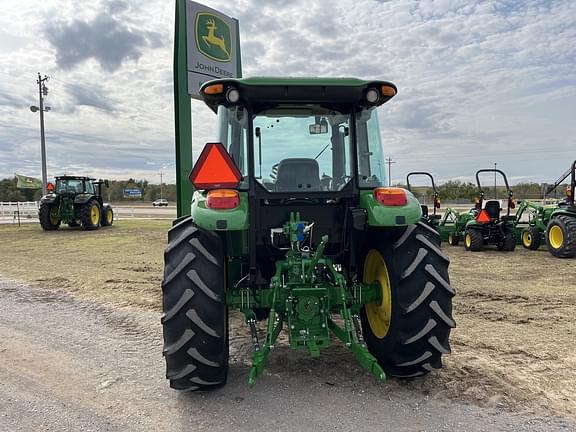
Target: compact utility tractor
x=431 y=219
x=489 y=227
x=75 y=201
x=290 y=223
x=561 y=228
x=531 y=232
x=453 y=224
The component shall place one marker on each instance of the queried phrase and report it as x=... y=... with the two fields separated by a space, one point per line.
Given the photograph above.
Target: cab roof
x=264 y=92
x=68 y=177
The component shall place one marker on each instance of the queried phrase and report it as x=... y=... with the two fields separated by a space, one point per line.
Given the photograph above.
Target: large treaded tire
x=421 y=317
x=107 y=218
x=86 y=215
x=567 y=225
x=195 y=321
x=44 y=216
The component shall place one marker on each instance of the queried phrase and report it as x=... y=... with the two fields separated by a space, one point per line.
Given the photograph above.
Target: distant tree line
x=150 y=192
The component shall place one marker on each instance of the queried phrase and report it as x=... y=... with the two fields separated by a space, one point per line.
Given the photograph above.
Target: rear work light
x=223 y=199
x=391 y=196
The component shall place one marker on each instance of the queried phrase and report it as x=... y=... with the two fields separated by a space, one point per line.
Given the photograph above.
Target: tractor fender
x=49 y=199
x=390 y=216
x=219 y=220
x=82 y=198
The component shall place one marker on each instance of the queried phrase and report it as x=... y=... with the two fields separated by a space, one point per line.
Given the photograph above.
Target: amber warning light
x=215 y=169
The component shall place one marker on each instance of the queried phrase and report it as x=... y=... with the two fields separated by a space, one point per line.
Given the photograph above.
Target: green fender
x=219 y=220
x=390 y=216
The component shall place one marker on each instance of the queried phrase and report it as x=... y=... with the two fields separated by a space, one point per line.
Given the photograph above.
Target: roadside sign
x=132 y=193
x=25 y=182
x=212 y=46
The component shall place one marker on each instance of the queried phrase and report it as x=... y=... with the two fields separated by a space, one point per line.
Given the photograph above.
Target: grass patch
x=122 y=264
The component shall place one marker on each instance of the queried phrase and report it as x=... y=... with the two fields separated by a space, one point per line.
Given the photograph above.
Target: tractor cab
x=489 y=226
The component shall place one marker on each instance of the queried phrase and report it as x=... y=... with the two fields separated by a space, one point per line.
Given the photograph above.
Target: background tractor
x=431 y=219
x=453 y=224
x=75 y=201
x=561 y=229
x=489 y=227
x=290 y=224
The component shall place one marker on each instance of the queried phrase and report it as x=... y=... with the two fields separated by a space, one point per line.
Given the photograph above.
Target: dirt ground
x=513 y=349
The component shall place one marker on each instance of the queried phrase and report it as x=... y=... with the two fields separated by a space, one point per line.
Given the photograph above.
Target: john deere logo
x=213 y=37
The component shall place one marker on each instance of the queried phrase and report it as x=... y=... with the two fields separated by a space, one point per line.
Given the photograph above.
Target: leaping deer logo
x=212 y=39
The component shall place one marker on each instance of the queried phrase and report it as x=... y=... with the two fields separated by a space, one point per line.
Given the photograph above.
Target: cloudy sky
x=479 y=81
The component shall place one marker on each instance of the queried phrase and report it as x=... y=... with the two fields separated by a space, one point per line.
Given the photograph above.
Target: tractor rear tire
x=473 y=240
x=531 y=238
x=509 y=242
x=453 y=239
x=412 y=338
x=561 y=236
x=48 y=215
x=90 y=215
x=107 y=216
x=195 y=319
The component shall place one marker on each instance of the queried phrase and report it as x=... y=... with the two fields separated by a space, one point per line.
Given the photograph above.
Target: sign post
x=206 y=46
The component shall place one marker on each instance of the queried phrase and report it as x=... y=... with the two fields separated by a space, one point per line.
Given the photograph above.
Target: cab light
x=391 y=196
x=223 y=199
x=388 y=91
x=372 y=96
x=214 y=89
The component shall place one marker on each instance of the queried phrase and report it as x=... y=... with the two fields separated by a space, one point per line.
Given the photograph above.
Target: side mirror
x=320 y=127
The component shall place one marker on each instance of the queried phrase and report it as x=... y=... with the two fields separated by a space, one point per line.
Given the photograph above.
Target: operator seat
x=492 y=207
x=298 y=175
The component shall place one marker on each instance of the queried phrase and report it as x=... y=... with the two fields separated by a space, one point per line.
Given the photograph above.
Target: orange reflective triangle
x=483 y=216
x=215 y=169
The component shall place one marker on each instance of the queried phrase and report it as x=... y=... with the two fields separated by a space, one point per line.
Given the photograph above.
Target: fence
x=26 y=209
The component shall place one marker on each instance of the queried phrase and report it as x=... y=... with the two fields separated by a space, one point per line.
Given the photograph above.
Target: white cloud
x=479 y=82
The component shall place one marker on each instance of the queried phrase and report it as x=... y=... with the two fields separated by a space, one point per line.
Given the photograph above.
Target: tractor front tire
x=408 y=332
x=453 y=239
x=90 y=215
x=508 y=244
x=473 y=240
x=561 y=236
x=49 y=218
x=195 y=319
x=531 y=238
x=107 y=216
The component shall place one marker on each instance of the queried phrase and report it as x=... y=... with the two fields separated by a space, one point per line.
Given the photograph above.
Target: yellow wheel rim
x=527 y=239
x=54 y=218
x=109 y=216
x=450 y=239
x=556 y=237
x=95 y=215
x=468 y=240
x=379 y=314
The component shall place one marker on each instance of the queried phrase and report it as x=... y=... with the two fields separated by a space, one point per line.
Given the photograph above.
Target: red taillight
x=215 y=169
x=223 y=199
x=391 y=196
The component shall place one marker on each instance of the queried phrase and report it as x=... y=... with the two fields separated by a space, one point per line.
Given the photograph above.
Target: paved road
x=72 y=365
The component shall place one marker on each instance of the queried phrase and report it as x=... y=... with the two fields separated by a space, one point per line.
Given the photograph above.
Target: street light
x=42 y=91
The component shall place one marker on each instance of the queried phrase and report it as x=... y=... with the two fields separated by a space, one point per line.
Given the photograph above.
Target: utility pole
x=389 y=161
x=495 y=190
x=42 y=92
x=161 y=174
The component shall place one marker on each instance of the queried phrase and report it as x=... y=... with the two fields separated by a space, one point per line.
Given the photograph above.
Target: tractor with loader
x=76 y=201
x=290 y=223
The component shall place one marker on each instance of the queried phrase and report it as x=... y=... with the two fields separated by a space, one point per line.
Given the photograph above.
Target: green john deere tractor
x=290 y=224
x=531 y=232
x=489 y=227
x=453 y=223
x=561 y=228
x=76 y=201
x=430 y=219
